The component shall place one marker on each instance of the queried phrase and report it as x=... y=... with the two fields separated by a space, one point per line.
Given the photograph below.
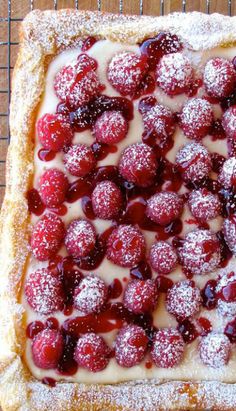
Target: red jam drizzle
x=46 y=155
x=208 y=294
x=228 y=293
x=60 y=210
x=35 y=203
x=67 y=365
x=148 y=364
x=146 y=86
x=217 y=132
x=49 y=381
x=163 y=283
x=188 y=331
x=87 y=207
x=230 y=331
x=34 y=328
x=205 y=325
x=88 y=43
x=141 y=272
x=52 y=323
x=101 y=151
x=115 y=289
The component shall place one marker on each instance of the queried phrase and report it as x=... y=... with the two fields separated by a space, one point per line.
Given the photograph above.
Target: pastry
x=118 y=283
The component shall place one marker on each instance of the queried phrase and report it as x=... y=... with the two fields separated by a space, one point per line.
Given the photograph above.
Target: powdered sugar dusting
x=227 y=175
x=215 y=350
x=183 y=300
x=90 y=295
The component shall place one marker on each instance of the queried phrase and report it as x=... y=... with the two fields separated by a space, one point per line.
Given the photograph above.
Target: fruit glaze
x=132 y=272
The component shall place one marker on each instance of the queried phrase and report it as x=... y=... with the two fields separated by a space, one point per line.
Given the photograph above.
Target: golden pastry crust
x=43 y=35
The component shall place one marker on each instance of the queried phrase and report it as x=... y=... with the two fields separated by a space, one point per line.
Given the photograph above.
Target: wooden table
x=19 y=8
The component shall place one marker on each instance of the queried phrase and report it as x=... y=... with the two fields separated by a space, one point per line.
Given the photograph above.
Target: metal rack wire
x=9 y=43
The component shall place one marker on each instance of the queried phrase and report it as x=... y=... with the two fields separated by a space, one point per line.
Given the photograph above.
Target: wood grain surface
x=19 y=8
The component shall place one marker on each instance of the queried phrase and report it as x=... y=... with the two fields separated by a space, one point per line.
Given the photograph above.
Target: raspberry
x=44 y=291
x=125 y=71
x=140 y=296
x=219 y=77
x=160 y=120
x=90 y=295
x=47 y=236
x=226 y=294
x=92 y=352
x=79 y=160
x=77 y=83
x=194 y=162
x=47 y=349
x=106 y=200
x=229 y=231
x=183 y=300
x=54 y=131
x=138 y=164
x=80 y=238
x=174 y=73
x=126 y=246
x=110 y=128
x=229 y=122
x=168 y=348
x=53 y=185
x=164 y=207
x=214 y=350
x=163 y=258
x=204 y=205
x=130 y=346
x=227 y=175
x=200 y=253
x=196 y=118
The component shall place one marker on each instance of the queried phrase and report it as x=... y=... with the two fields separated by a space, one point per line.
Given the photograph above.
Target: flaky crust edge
x=43 y=35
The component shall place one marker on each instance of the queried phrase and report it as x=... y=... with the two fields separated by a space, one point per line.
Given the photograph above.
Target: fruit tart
x=118 y=227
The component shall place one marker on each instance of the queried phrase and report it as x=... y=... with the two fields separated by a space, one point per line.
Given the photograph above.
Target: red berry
x=140 y=296
x=125 y=71
x=196 y=118
x=130 y=346
x=214 y=350
x=110 y=128
x=204 y=205
x=80 y=238
x=138 y=164
x=47 y=348
x=160 y=120
x=79 y=160
x=200 y=252
x=126 y=246
x=183 y=300
x=229 y=122
x=44 y=291
x=226 y=294
x=77 y=83
x=229 y=231
x=227 y=175
x=47 y=236
x=92 y=352
x=54 y=131
x=168 y=348
x=194 y=162
x=90 y=295
x=219 y=77
x=106 y=200
x=163 y=258
x=53 y=185
x=174 y=73
x=164 y=207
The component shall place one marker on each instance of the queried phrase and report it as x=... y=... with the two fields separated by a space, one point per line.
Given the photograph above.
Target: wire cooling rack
x=13 y=11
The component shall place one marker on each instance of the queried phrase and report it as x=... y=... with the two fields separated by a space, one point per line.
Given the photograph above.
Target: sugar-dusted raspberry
x=196 y=118
x=130 y=346
x=140 y=296
x=163 y=258
x=160 y=120
x=227 y=175
x=138 y=164
x=53 y=185
x=47 y=236
x=229 y=231
x=174 y=73
x=125 y=71
x=214 y=350
x=168 y=348
x=183 y=300
x=106 y=200
x=110 y=128
x=226 y=294
x=126 y=246
x=229 y=122
x=44 y=291
x=80 y=238
x=219 y=77
x=90 y=295
x=92 y=352
x=77 y=83
x=194 y=162
x=164 y=207
x=201 y=252
x=54 y=131
x=47 y=348
x=79 y=160
x=204 y=205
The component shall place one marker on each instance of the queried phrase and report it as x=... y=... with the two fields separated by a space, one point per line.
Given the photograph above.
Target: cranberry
x=164 y=207
x=183 y=300
x=229 y=122
x=106 y=200
x=230 y=331
x=208 y=294
x=92 y=352
x=168 y=348
x=159 y=120
x=226 y=294
x=53 y=185
x=90 y=295
x=214 y=350
x=54 y=131
x=79 y=160
x=140 y=296
x=227 y=175
x=47 y=348
x=130 y=346
x=196 y=118
x=204 y=205
x=111 y=127
x=80 y=238
x=163 y=258
x=219 y=77
x=194 y=162
x=229 y=231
